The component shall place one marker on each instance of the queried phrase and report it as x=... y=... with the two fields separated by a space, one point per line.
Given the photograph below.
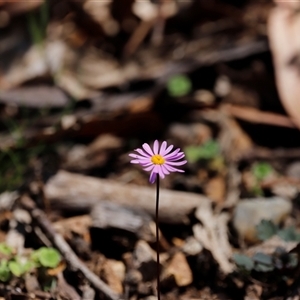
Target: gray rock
x=7 y=200
x=293 y=170
x=250 y=212
x=192 y=246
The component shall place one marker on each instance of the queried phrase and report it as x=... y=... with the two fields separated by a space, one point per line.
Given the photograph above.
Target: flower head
x=159 y=160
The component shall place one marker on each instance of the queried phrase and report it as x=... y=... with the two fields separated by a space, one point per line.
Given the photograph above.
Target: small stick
x=137 y=37
x=260 y=117
x=66 y=191
x=159 y=26
x=71 y=258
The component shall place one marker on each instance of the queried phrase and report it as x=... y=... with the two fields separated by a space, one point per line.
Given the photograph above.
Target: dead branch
x=73 y=192
x=265 y=153
x=256 y=116
x=214 y=237
x=71 y=258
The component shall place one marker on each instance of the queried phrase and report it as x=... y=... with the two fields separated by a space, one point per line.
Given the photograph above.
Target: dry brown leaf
x=215 y=189
x=114 y=273
x=179 y=268
x=79 y=225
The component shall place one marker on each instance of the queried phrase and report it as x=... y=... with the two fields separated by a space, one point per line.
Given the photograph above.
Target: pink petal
x=180 y=153
x=168 y=149
x=138 y=156
x=143 y=161
x=152 y=177
x=177 y=157
x=135 y=161
x=147 y=149
x=149 y=168
x=165 y=169
x=171 y=169
x=177 y=163
x=161 y=173
x=140 y=151
x=163 y=147
x=157 y=170
x=146 y=164
x=172 y=153
x=155 y=147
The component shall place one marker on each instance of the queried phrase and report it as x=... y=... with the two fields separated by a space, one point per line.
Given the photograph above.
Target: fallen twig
x=214 y=237
x=76 y=192
x=256 y=116
x=273 y=154
x=71 y=258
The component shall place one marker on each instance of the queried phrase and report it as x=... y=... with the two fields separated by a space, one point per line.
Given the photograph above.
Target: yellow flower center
x=157 y=159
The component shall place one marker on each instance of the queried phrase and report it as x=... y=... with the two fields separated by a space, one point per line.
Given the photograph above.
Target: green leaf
x=262 y=258
x=208 y=150
x=266 y=229
x=191 y=153
x=47 y=257
x=16 y=268
x=263 y=268
x=28 y=266
x=243 y=261
x=6 y=250
x=289 y=234
x=263 y=262
x=261 y=170
x=35 y=257
x=4 y=271
x=179 y=85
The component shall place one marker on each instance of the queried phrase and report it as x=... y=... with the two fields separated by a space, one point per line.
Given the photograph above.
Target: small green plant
x=260 y=171
x=266 y=229
x=5 y=249
x=14 y=265
x=270 y=266
x=179 y=85
x=208 y=150
x=4 y=271
x=46 y=257
x=19 y=268
x=243 y=261
x=289 y=234
x=263 y=263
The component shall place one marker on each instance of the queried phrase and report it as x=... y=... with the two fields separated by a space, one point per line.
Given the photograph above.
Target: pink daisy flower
x=159 y=160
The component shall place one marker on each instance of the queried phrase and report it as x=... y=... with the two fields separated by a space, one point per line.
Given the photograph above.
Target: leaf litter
x=85 y=83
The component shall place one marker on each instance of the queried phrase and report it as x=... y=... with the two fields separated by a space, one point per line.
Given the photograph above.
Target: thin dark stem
x=157 y=238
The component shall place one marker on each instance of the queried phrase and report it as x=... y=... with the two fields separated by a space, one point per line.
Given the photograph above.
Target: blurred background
x=83 y=83
x=74 y=70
